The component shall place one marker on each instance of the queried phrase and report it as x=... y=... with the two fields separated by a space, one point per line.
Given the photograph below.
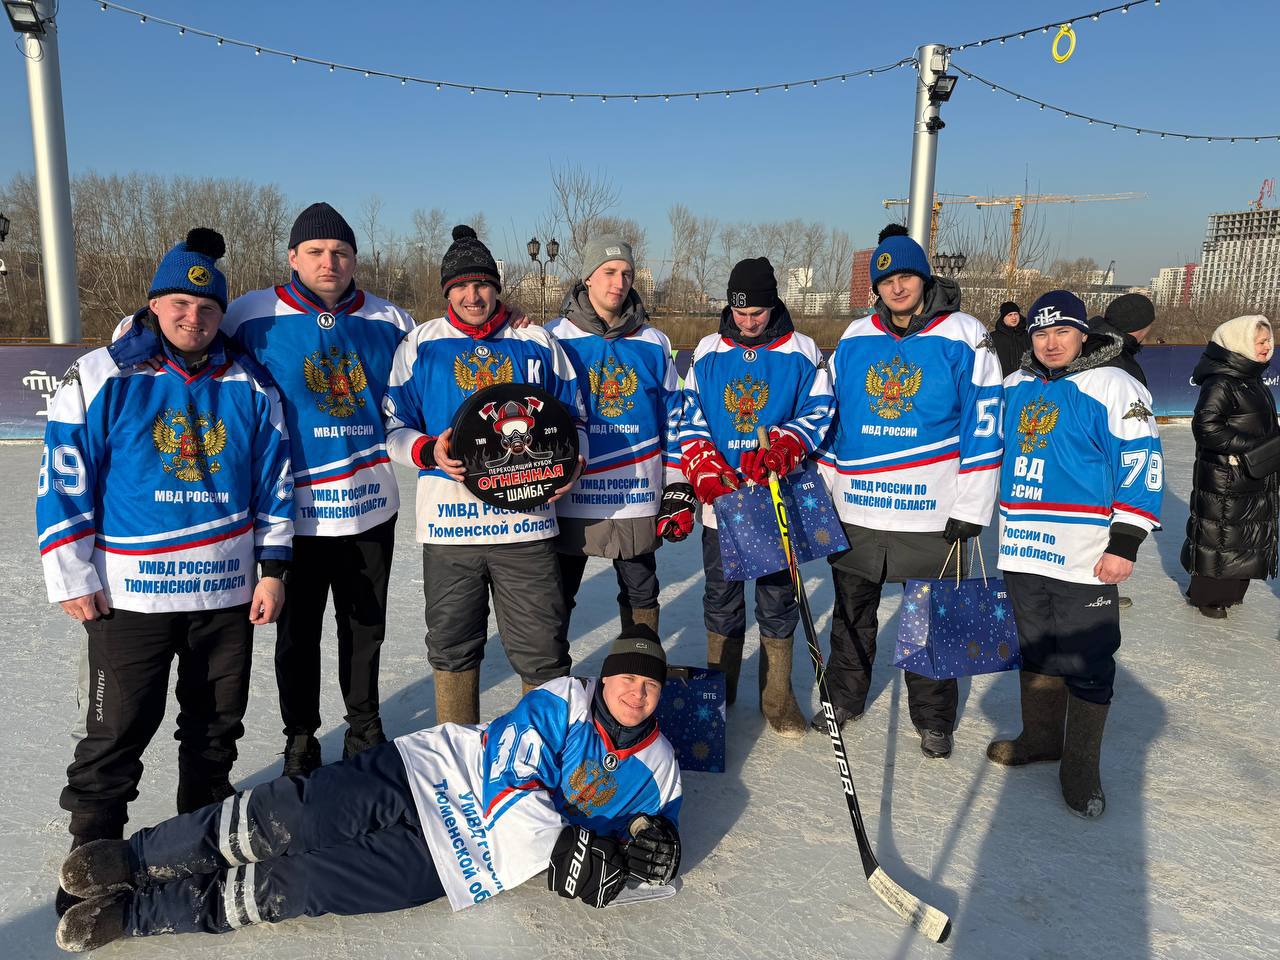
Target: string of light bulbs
x=1054 y=25
x=1114 y=125
x=472 y=88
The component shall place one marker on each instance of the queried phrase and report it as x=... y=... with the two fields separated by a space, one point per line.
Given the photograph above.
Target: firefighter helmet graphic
x=513 y=422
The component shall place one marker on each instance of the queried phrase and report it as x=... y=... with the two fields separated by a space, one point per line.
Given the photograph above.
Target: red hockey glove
x=784 y=454
x=708 y=471
x=675 y=515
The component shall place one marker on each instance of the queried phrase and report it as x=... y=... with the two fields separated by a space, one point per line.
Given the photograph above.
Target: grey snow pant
x=533 y=619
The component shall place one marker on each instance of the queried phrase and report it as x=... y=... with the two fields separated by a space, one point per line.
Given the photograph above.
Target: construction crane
x=1017 y=201
x=1267 y=190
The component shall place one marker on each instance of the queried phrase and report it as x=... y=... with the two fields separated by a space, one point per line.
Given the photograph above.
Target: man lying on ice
x=577 y=778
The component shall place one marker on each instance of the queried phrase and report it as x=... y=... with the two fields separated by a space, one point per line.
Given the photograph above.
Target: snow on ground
x=1185 y=863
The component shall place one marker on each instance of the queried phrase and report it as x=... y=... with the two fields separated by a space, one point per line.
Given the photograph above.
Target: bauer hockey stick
x=929 y=920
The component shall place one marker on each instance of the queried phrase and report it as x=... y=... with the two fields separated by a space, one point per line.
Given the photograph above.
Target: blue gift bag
x=691 y=716
x=955 y=627
x=750 y=546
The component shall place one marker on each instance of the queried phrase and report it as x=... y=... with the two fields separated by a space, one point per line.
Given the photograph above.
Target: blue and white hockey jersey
x=632 y=396
x=436 y=368
x=731 y=390
x=1084 y=453
x=916 y=437
x=160 y=488
x=331 y=367
x=492 y=802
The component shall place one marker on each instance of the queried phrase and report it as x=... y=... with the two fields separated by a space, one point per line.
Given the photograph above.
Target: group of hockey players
x=221 y=466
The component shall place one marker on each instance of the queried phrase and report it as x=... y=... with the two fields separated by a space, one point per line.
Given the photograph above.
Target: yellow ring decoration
x=1064 y=31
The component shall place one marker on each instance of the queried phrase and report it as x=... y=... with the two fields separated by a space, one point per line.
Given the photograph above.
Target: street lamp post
x=949 y=264
x=553 y=250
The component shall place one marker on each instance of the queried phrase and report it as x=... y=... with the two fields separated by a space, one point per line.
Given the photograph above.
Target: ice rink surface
x=1184 y=864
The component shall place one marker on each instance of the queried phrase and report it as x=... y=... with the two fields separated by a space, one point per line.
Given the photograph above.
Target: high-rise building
x=799 y=279
x=644 y=284
x=1172 y=286
x=1240 y=259
x=860 y=295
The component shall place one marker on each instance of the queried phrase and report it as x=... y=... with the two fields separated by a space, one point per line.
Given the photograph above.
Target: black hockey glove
x=676 y=513
x=961 y=530
x=587 y=866
x=653 y=852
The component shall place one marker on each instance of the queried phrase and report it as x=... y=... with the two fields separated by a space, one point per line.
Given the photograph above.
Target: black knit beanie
x=637 y=651
x=1006 y=308
x=1130 y=312
x=467 y=259
x=321 y=222
x=752 y=284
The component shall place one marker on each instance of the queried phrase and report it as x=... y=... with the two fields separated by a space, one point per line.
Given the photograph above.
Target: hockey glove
x=708 y=471
x=960 y=530
x=424 y=452
x=587 y=866
x=653 y=852
x=784 y=454
x=675 y=515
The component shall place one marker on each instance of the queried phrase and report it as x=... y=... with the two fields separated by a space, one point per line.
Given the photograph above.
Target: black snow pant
x=1068 y=630
x=854 y=626
x=129 y=655
x=637 y=579
x=528 y=600
x=724 y=605
x=357 y=567
x=345 y=840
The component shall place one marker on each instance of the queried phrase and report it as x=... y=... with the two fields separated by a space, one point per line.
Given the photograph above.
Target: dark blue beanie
x=189 y=268
x=1058 y=308
x=898 y=254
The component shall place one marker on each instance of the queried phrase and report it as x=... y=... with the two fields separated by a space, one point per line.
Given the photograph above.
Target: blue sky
x=141 y=98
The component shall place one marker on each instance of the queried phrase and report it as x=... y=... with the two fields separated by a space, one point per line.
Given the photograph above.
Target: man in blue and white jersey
x=1079 y=491
x=164 y=509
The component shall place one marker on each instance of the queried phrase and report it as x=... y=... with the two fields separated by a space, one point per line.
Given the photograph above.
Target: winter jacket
x=1129 y=349
x=1011 y=344
x=1231 y=532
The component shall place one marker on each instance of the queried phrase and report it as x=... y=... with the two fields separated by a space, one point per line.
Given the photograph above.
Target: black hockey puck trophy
x=519 y=445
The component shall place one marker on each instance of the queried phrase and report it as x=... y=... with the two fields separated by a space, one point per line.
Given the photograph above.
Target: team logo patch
x=187 y=443
x=611 y=384
x=479 y=369
x=338 y=378
x=200 y=276
x=745 y=398
x=891 y=385
x=72 y=375
x=591 y=786
x=883 y=261
x=1035 y=422
x=1138 y=411
x=611 y=762
x=326 y=321
x=986 y=343
x=749 y=356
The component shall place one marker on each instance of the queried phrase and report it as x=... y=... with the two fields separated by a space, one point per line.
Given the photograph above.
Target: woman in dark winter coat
x=1231 y=533
x=1010 y=337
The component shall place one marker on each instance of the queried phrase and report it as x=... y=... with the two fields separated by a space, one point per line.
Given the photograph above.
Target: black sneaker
x=843 y=716
x=301 y=755
x=935 y=744
x=358 y=741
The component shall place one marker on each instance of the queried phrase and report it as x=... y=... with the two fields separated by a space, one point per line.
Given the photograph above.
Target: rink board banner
x=29 y=375
x=691 y=715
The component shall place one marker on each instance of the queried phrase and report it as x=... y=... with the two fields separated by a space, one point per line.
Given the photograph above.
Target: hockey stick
x=930 y=921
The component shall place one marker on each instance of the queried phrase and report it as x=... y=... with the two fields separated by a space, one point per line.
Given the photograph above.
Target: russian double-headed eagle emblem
x=188 y=442
x=891 y=385
x=611 y=383
x=591 y=786
x=476 y=370
x=745 y=398
x=1138 y=411
x=1036 y=420
x=339 y=379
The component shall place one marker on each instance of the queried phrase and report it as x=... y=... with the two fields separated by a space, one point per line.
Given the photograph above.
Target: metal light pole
x=53 y=183
x=553 y=250
x=933 y=87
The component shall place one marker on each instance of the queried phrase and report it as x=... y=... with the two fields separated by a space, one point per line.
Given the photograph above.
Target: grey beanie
x=602 y=249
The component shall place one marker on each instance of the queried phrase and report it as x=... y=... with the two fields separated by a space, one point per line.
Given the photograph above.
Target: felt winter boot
x=97 y=868
x=93 y=923
x=1078 y=774
x=86 y=828
x=1044 y=710
x=458 y=696
x=777 y=702
x=646 y=616
x=196 y=790
x=725 y=654
x=527 y=685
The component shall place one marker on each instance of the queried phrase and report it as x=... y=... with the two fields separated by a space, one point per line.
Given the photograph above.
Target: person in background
x=1231 y=532
x=1009 y=337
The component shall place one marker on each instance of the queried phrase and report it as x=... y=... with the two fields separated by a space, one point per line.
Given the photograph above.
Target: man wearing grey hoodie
x=631 y=493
